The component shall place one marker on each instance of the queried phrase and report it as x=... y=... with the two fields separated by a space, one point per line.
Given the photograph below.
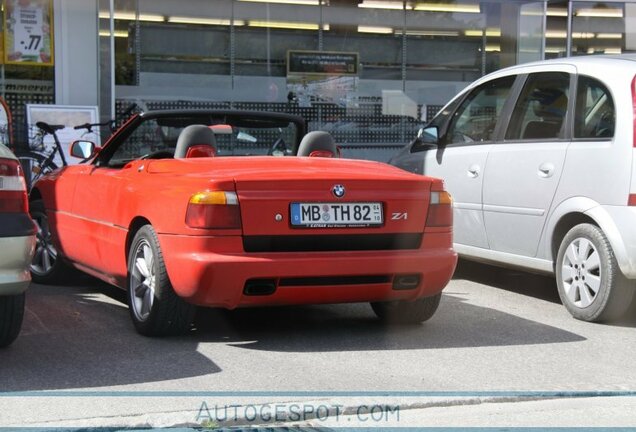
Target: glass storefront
x=371 y=72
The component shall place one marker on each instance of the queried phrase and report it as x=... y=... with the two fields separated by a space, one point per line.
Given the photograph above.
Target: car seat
x=318 y=144
x=550 y=105
x=195 y=141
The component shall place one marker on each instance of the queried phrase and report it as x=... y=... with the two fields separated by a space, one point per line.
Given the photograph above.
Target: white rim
x=142 y=280
x=581 y=272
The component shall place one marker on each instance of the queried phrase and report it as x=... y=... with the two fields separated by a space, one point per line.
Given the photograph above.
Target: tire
x=590 y=283
x=11 y=314
x=47 y=266
x=32 y=166
x=154 y=307
x=407 y=312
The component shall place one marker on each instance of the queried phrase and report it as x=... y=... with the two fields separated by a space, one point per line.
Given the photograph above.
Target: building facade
x=369 y=71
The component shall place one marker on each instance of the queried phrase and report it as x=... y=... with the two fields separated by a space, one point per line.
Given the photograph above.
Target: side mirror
x=83 y=149
x=426 y=139
x=428 y=135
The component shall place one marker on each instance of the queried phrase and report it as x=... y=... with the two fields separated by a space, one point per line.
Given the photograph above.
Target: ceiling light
x=296 y=2
x=491 y=32
x=556 y=34
x=287 y=25
x=558 y=12
x=383 y=4
x=117 y=34
x=474 y=33
x=203 y=21
x=609 y=36
x=448 y=7
x=600 y=13
x=582 y=35
x=493 y=47
x=429 y=33
x=372 y=29
x=554 y=50
x=131 y=16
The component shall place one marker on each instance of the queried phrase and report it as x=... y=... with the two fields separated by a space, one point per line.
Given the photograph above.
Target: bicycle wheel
x=34 y=166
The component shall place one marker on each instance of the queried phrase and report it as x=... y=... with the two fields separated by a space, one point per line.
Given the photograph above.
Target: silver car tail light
x=13 y=195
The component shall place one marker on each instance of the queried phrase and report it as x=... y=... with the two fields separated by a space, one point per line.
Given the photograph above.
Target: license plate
x=336 y=215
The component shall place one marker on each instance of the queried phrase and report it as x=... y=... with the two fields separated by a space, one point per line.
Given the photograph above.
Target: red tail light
x=440 y=210
x=13 y=196
x=214 y=210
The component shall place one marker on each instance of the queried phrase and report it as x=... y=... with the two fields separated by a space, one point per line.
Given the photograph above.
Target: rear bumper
x=15 y=258
x=213 y=271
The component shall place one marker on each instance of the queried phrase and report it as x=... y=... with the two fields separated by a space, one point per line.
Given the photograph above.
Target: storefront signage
x=28 y=32
x=321 y=77
x=322 y=63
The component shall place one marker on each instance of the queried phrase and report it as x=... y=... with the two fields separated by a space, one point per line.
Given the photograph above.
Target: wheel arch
x=584 y=210
x=565 y=224
x=134 y=226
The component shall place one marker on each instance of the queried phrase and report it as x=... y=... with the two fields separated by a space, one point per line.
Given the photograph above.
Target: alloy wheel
x=581 y=272
x=142 y=281
x=45 y=253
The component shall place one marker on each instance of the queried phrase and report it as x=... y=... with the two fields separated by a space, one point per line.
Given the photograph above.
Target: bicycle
x=111 y=124
x=38 y=161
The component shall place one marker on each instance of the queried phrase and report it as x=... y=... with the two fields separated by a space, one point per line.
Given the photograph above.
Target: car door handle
x=546 y=170
x=473 y=171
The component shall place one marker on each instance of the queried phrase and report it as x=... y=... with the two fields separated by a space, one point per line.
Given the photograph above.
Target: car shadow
x=82 y=337
x=354 y=327
x=518 y=281
x=524 y=283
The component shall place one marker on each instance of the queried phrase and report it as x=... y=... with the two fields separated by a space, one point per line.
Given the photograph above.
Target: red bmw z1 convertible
x=234 y=209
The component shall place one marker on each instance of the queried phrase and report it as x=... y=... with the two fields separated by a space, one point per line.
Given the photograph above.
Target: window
x=541 y=110
x=477 y=116
x=594 y=116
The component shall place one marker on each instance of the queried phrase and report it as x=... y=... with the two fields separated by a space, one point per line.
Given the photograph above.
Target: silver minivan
x=540 y=160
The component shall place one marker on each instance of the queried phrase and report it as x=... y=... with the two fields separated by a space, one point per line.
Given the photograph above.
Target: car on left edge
x=17 y=246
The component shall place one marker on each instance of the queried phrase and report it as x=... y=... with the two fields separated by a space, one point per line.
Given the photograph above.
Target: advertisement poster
x=28 y=32
x=319 y=76
x=68 y=116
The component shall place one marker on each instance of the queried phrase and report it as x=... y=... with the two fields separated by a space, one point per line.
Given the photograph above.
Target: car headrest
x=549 y=103
x=194 y=135
x=318 y=144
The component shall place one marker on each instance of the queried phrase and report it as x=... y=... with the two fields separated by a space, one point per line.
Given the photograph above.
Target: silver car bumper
x=15 y=258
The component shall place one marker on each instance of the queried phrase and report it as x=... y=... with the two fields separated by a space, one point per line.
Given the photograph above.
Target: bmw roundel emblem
x=338 y=191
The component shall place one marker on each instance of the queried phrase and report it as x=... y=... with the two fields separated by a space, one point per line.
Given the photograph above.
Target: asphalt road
x=500 y=343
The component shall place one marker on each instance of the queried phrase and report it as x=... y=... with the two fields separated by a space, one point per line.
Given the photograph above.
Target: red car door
x=97 y=210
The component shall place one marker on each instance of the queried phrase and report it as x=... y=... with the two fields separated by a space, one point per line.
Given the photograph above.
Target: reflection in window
x=476 y=118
